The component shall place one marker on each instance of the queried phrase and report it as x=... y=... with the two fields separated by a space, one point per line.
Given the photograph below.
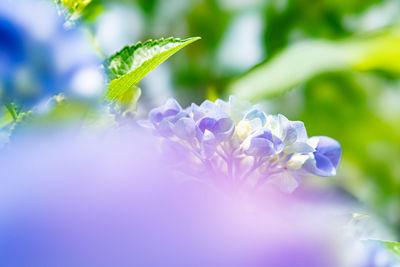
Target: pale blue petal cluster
x=243 y=144
x=261 y=143
x=325 y=158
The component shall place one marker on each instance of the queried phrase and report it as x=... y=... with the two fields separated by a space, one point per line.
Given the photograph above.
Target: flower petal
x=156 y=115
x=286 y=181
x=208 y=145
x=299 y=147
x=260 y=147
x=296 y=161
x=224 y=129
x=164 y=128
x=256 y=114
x=207 y=123
x=184 y=128
x=330 y=148
x=320 y=165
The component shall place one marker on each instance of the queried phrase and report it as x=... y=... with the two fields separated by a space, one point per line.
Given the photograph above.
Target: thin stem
x=256 y=164
x=224 y=149
x=228 y=158
x=222 y=155
x=207 y=164
x=194 y=152
x=235 y=169
x=230 y=169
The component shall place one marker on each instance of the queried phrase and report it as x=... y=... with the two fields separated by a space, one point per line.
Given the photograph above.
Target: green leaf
x=73 y=10
x=11 y=108
x=75 y=7
x=126 y=102
x=10 y=117
x=391 y=246
x=6 y=118
x=394 y=247
x=307 y=59
x=127 y=67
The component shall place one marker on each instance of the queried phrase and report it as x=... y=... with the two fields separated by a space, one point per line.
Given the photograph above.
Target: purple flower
x=326 y=157
x=262 y=143
x=170 y=119
x=243 y=143
x=292 y=133
x=208 y=144
x=256 y=114
x=221 y=127
x=185 y=128
x=214 y=118
x=168 y=110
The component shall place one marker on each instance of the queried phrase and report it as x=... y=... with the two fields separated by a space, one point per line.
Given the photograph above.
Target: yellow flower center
x=243 y=128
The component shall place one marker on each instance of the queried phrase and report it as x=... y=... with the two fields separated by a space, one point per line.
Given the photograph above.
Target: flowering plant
x=242 y=144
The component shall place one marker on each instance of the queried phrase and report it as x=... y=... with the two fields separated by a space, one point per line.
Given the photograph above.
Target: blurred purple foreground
x=109 y=200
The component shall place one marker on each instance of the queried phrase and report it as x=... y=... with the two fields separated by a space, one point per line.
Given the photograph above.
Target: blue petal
x=266 y=134
x=263 y=143
x=207 y=123
x=324 y=164
x=164 y=128
x=178 y=116
x=185 y=128
x=290 y=135
x=207 y=106
x=224 y=129
x=208 y=145
x=330 y=148
x=156 y=115
x=256 y=114
x=320 y=166
x=172 y=106
x=170 y=112
x=196 y=111
x=278 y=144
x=299 y=147
x=326 y=157
x=300 y=130
x=260 y=147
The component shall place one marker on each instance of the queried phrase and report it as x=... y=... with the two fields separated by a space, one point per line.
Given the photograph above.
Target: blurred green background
x=334 y=64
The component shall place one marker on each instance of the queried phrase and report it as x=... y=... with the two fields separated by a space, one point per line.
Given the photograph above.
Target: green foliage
x=6 y=118
x=127 y=67
x=86 y=9
x=74 y=7
x=10 y=117
x=304 y=60
x=61 y=112
x=323 y=19
x=394 y=247
x=11 y=113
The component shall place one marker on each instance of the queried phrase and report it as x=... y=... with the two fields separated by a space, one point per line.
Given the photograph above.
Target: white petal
x=297 y=161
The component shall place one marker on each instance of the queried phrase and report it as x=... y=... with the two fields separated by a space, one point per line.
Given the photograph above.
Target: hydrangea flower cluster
x=242 y=144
